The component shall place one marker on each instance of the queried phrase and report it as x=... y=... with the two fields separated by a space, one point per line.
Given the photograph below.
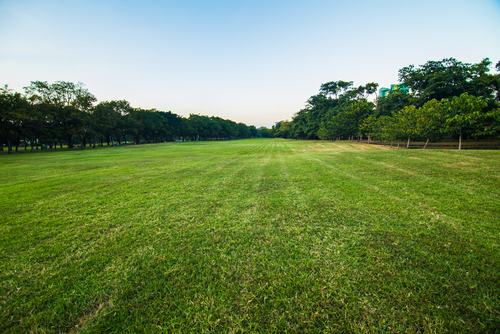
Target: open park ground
x=258 y=235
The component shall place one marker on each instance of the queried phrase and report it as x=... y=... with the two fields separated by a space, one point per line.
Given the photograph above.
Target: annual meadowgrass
x=250 y=236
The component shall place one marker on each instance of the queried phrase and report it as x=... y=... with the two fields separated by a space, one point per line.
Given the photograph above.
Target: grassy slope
x=252 y=235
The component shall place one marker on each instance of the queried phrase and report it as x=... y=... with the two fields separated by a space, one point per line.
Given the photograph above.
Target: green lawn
x=260 y=235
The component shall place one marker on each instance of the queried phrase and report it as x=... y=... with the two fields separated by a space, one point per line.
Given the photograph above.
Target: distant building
x=383 y=92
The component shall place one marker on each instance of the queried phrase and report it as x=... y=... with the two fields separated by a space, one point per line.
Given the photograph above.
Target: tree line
x=65 y=114
x=440 y=99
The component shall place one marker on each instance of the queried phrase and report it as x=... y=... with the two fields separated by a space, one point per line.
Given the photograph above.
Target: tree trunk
x=408 y=145
x=398 y=144
x=460 y=140
x=427 y=142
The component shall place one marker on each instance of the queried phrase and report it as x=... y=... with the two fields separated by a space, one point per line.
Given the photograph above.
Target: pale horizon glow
x=255 y=62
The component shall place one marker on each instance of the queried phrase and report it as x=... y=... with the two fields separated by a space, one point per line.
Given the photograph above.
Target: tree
x=371 y=88
x=388 y=129
x=490 y=125
x=369 y=127
x=407 y=121
x=430 y=118
x=324 y=132
x=283 y=129
x=495 y=82
x=448 y=78
x=34 y=124
x=322 y=117
x=63 y=111
x=70 y=101
x=263 y=132
x=461 y=112
x=13 y=109
x=107 y=119
x=347 y=123
x=60 y=93
x=334 y=88
x=394 y=102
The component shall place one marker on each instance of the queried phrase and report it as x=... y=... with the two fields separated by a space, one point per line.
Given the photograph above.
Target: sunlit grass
x=250 y=236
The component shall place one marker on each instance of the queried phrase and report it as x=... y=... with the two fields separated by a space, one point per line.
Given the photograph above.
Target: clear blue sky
x=254 y=61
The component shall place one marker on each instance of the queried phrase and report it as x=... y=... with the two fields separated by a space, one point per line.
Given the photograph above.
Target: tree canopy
x=445 y=98
x=63 y=113
x=448 y=78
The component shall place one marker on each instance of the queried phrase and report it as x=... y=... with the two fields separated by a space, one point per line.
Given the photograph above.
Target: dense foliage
x=445 y=98
x=64 y=113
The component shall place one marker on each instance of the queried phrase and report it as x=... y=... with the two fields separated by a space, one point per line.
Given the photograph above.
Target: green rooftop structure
x=383 y=92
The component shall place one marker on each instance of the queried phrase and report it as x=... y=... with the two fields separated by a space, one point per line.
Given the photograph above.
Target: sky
x=251 y=61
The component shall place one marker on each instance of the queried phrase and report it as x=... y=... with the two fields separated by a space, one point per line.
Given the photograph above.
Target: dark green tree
x=13 y=114
x=448 y=78
x=462 y=113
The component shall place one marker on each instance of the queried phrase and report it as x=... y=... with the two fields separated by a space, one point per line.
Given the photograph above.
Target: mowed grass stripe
x=427 y=187
x=444 y=234
x=185 y=212
x=250 y=236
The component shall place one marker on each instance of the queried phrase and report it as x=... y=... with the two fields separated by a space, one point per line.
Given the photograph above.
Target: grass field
x=250 y=236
